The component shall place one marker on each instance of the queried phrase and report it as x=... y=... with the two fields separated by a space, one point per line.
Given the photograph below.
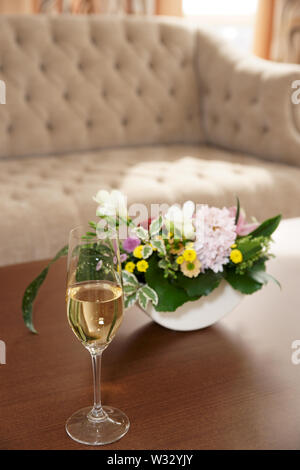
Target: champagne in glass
x=95 y=310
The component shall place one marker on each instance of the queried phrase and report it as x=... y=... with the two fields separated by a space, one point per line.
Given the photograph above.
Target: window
x=232 y=19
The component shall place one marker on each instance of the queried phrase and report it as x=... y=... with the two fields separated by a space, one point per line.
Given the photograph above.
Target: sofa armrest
x=247 y=102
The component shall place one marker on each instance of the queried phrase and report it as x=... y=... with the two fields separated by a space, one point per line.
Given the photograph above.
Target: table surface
x=230 y=386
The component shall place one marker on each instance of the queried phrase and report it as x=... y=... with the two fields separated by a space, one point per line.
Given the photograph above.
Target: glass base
x=96 y=433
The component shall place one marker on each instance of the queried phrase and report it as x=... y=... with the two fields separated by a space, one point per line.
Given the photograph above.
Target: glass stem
x=97 y=412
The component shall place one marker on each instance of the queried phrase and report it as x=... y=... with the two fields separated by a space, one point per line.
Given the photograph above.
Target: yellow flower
x=234 y=245
x=191 y=269
x=180 y=260
x=236 y=256
x=142 y=266
x=189 y=255
x=130 y=266
x=138 y=252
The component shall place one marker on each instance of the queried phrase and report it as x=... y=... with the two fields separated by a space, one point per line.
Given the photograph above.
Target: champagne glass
x=95 y=310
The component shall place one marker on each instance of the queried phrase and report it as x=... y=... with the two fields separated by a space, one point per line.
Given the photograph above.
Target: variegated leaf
x=130 y=300
x=159 y=245
x=150 y=294
x=147 y=251
x=129 y=279
x=156 y=226
x=141 y=233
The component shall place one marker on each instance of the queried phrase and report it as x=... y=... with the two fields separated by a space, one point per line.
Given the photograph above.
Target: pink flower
x=242 y=228
x=215 y=234
x=130 y=244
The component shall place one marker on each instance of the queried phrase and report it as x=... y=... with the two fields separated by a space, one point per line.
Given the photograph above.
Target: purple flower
x=123 y=258
x=130 y=244
x=99 y=265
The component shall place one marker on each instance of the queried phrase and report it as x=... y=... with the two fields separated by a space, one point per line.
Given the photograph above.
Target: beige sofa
x=160 y=110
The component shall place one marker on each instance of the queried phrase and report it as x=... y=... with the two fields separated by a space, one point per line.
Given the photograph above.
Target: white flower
x=111 y=204
x=181 y=220
x=215 y=234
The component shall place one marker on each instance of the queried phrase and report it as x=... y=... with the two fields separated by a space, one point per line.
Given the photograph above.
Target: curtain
x=263 y=28
x=147 y=7
x=285 y=45
x=142 y=7
x=15 y=6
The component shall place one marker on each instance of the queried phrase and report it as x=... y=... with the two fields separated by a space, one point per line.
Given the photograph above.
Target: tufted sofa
x=158 y=109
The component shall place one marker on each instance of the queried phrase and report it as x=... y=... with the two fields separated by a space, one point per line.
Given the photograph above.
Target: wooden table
x=231 y=386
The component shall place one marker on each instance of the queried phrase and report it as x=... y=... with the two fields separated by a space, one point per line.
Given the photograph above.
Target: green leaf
x=170 y=296
x=93 y=225
x=143 y=299
x=129 y=279
x=147 y=251
x=159 y=245
x=150 y=294
x=238 y=209
x=267 y=227
x=258 y=273
x=156 y=226
x=242 y=282
x=129 y=289
x=33 y=288
x=141 y=233
x=130 y=300
x=204 y=284
x=264 y=278
x=249 y=247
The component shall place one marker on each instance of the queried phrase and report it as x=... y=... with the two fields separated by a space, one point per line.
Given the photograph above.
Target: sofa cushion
x=41 y=199
x=86 y=82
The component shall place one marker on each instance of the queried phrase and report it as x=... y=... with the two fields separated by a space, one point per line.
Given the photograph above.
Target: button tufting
x=10 y=129
x=117 y=66
x=27 y=97
x=254 y=101
x=183 y=62
x=227 y=96
x=236 y=126
x=104 y=93
x=18 y=39
x=43 y=67
x=66 y=190
x=172 y=91
x=125 y=122
x=49 y=126
x=139 y=91
x=89 y=123
x=190 y=116
x=66 y=96
x=265 y=129
x=80 y=66
x=159 y=119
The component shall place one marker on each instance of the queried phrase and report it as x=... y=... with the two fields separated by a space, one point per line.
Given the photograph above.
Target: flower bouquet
x=179 y=256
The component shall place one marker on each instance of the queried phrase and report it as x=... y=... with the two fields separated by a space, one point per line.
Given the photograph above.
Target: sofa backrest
x=85 y=82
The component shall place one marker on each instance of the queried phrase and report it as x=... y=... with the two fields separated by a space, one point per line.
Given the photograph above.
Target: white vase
x=201 y=313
